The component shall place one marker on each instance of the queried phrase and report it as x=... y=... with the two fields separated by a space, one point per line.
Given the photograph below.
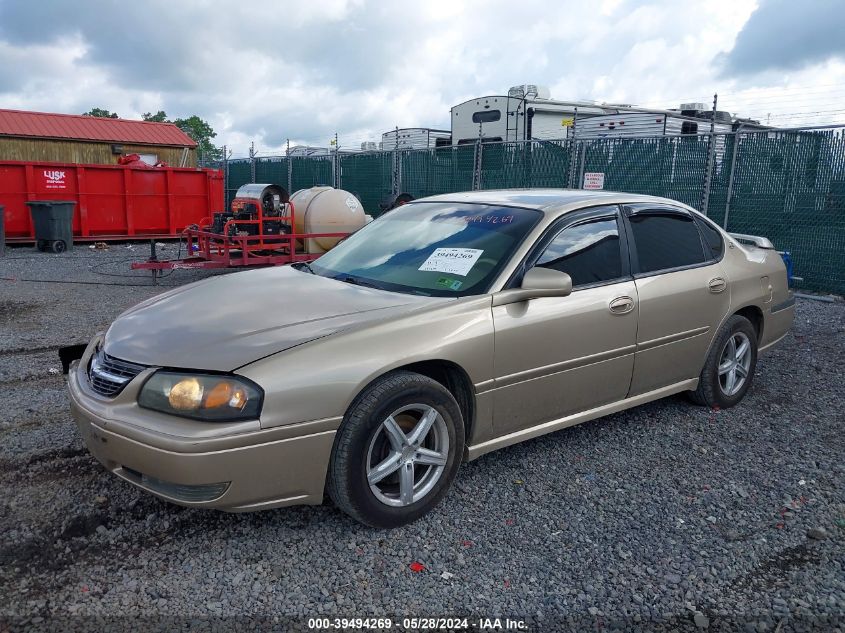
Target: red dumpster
x=114 y=202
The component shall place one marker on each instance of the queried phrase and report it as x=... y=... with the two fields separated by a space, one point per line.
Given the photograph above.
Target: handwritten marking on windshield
x=489 y=219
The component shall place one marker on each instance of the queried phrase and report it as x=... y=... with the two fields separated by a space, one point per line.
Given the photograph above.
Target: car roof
x=546 y=200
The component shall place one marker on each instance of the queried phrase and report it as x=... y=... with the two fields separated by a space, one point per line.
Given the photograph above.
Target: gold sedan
x=447 y=328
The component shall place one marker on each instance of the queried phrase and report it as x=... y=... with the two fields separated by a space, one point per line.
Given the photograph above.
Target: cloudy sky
x=266 y=71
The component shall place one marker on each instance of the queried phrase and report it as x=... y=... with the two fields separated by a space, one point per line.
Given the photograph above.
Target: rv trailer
x=415 y=138
x=627 y=121
x=526 y=112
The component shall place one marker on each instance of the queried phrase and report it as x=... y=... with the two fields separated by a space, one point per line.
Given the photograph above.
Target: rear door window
x=665 y=240
x=714 y=245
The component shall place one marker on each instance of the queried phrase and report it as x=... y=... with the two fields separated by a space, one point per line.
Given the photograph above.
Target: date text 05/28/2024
x=418 y=624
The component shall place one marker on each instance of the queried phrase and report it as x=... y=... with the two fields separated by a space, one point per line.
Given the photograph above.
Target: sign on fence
x=593 y=180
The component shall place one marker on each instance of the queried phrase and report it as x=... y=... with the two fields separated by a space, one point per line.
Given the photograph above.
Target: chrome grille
x=109 y=375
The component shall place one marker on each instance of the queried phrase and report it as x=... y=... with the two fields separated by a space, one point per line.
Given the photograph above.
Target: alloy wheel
x=407 y=455
x=734 y=363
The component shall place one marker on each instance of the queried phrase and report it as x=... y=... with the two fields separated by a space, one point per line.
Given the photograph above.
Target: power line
x=786 y=88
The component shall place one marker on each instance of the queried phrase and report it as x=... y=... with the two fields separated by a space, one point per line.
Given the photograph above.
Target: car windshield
x=431 y=248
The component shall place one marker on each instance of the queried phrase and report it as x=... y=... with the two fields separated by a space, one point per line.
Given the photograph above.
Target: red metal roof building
x=68 y=138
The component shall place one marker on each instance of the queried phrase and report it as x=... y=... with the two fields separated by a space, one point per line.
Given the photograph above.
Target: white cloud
x=267 y=71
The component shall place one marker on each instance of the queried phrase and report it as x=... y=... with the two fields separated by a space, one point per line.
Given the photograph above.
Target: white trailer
x=642 y=123
x=415 y=138
x=526 y=112
x=307 y=150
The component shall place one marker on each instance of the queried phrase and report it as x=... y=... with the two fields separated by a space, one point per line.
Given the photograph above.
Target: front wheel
x=730 y=365
x=397 y=451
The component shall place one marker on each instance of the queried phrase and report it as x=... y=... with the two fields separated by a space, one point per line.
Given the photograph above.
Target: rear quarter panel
x=758 y=278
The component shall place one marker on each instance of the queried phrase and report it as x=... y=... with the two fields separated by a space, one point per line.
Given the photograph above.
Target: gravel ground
x=665 y=517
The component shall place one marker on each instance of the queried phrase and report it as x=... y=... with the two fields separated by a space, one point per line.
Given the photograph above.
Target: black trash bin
x=53 y=224
x=2 y=231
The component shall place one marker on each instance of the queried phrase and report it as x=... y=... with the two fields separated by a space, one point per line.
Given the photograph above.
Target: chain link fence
x=786 y=185
x=369 y=175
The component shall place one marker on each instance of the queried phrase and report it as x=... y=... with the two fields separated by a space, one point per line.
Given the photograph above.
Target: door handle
x=717 y=284
x=622 y=305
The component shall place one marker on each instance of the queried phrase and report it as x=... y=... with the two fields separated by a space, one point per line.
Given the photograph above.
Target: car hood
x=229 y=321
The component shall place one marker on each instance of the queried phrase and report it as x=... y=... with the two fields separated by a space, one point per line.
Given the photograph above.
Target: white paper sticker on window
x=455 y=261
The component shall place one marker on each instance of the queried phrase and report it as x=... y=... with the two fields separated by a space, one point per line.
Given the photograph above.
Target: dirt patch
x=29 y=552
x=30 y=380
x=68 y=452
x=25 y=351
x=773 y=571
x=84 y=525
x=12 y=310
x=50 y=465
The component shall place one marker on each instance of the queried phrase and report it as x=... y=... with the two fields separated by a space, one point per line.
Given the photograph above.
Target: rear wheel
x=729 y=369
x=58 y=246
x=397 y=451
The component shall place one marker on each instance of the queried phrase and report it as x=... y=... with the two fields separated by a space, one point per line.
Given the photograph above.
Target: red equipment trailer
x=258 y=231
x=113 y=202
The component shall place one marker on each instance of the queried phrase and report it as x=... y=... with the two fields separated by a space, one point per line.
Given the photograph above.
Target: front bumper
x=230 y=466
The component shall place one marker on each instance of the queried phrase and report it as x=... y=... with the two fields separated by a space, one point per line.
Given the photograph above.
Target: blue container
x=787 y=261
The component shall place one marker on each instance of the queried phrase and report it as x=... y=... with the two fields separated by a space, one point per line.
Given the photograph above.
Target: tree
x=101 y=113
x=202 y=133
x=158 y=117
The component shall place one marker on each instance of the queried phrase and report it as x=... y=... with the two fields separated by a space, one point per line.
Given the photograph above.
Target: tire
x=41 y=245
x=367 y=439
x=58 y=246
x=723 y=390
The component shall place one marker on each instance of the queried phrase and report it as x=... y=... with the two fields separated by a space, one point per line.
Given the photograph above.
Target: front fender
x=320 y=379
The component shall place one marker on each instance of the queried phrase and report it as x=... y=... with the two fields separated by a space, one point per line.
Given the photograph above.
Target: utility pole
x=711 y=159
x=225 y=177
x=336 y=164
x=290 y=168
x=252 y=160
x=479 y=148
x=734 y=150
x=573 y=152
x=396 y=184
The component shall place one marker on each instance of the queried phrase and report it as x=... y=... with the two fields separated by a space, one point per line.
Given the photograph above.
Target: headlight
x=202 y=396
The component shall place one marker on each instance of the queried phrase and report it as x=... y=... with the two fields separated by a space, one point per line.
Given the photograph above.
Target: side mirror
x=537 y=282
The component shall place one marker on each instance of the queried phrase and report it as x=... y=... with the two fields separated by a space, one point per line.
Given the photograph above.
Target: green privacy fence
x=786 y=185
x=441 y=170
x=790 y=187
x=368 y=175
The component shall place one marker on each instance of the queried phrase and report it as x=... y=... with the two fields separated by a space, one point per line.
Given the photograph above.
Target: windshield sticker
x=455 y=261
x=451 y=284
